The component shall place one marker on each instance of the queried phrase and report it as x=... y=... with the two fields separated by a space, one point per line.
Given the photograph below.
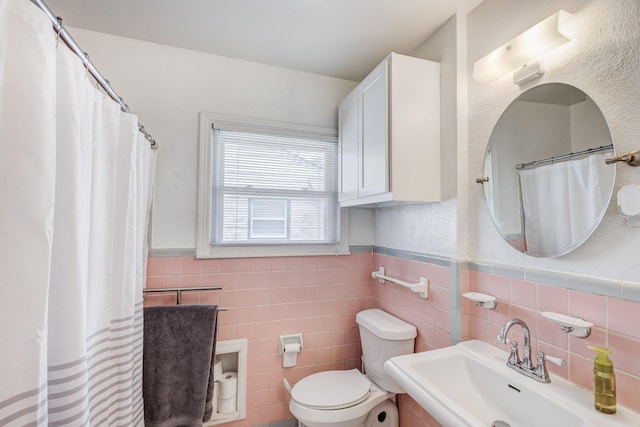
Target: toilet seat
x=332 y=390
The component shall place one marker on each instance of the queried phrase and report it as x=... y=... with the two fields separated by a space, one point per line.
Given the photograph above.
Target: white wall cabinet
x=348 y=137
x=389 y=133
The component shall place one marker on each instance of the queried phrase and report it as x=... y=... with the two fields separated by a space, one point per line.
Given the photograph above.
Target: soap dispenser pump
x=604 y=381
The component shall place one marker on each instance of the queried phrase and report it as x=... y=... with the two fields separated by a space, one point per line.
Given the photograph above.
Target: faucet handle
x=552 y=359
x=541 y=370
x=514 y=358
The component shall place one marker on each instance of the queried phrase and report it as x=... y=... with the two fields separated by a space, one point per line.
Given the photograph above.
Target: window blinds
x=272 y=189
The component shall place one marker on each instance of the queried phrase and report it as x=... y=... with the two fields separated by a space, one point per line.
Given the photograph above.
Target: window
x=269 y=219
x=267 y=189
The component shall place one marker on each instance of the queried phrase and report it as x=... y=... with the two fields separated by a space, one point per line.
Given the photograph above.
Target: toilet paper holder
x=288 y=342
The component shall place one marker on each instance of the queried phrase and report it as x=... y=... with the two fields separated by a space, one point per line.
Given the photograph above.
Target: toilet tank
x=383 y=336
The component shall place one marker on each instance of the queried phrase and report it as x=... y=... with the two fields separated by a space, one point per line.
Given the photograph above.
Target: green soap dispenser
x=604 y=381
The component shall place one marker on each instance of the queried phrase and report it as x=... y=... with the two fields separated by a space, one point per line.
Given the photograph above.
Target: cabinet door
x=374 y=147
x=348 y=137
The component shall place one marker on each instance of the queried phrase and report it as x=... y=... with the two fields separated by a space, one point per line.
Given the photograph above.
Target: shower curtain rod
x=565 y=156
x=73 y=45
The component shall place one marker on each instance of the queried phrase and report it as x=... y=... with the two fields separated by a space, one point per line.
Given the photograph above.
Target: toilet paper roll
x=290 y=356
x=217 y=370
x=214 y=399
x=228 y=385
x=292 y=348
x=290 y=360
x=226 y=405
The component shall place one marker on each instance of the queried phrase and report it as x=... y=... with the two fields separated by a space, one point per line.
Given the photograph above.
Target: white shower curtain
x=562 y=202
x=74 y=201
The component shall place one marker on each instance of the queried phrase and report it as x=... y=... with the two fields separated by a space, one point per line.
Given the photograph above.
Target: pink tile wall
x=268 y=297
x=430 y=316
x=320 y=296
x=616 y=326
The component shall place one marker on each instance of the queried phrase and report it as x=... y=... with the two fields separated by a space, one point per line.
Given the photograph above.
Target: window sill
x=271 y=251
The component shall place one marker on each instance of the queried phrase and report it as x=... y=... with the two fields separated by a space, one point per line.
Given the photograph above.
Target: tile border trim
x=159 y=253
x=625 y=290
x=414 y=256
x=613 y=288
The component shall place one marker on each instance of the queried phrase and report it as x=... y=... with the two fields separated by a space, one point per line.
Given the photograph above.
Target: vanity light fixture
x=523 y=54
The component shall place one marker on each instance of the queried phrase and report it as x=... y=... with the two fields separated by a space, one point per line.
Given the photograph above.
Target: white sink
x=469 y=384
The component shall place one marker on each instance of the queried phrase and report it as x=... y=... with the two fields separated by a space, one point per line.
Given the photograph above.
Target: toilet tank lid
x=385 y=326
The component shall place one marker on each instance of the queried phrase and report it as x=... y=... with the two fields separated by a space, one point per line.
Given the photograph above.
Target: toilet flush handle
x=287 y=385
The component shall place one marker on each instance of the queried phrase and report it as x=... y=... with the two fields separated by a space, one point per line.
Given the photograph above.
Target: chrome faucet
x=524 y=366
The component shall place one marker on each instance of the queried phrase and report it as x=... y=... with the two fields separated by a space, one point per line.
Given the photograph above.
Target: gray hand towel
x=179 y=353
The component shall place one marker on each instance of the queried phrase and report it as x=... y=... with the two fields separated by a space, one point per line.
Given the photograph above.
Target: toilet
x=349 y=398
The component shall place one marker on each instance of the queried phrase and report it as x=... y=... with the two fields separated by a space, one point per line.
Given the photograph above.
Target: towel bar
x=179 y=291
x=421 y=287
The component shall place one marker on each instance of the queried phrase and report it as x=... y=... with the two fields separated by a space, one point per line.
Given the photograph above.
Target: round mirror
x=546 y=185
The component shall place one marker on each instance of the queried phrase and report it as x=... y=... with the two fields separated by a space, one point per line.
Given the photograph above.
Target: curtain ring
x=58 y=29
x=85 y=62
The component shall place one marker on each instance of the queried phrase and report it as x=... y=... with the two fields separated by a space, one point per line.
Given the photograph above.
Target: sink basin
x=469 y=384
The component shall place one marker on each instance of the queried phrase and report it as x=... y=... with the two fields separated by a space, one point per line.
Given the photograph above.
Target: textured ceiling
x=338 y=38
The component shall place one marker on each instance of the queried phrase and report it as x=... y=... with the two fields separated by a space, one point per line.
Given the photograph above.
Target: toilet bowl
x=335 y=399
x=350 y=398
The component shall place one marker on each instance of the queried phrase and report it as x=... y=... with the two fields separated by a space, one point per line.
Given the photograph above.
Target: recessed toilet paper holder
x=291 y=342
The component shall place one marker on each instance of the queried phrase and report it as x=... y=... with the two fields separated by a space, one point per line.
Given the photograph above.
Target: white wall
x=587 y=127
x=431 y=228
x=167 y=88
x=602 y=60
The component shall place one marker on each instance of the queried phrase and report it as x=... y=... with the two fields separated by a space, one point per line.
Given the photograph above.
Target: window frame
x=204 y=248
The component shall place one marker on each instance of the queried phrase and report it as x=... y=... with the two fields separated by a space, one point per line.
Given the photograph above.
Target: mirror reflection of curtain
x=562 y=201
